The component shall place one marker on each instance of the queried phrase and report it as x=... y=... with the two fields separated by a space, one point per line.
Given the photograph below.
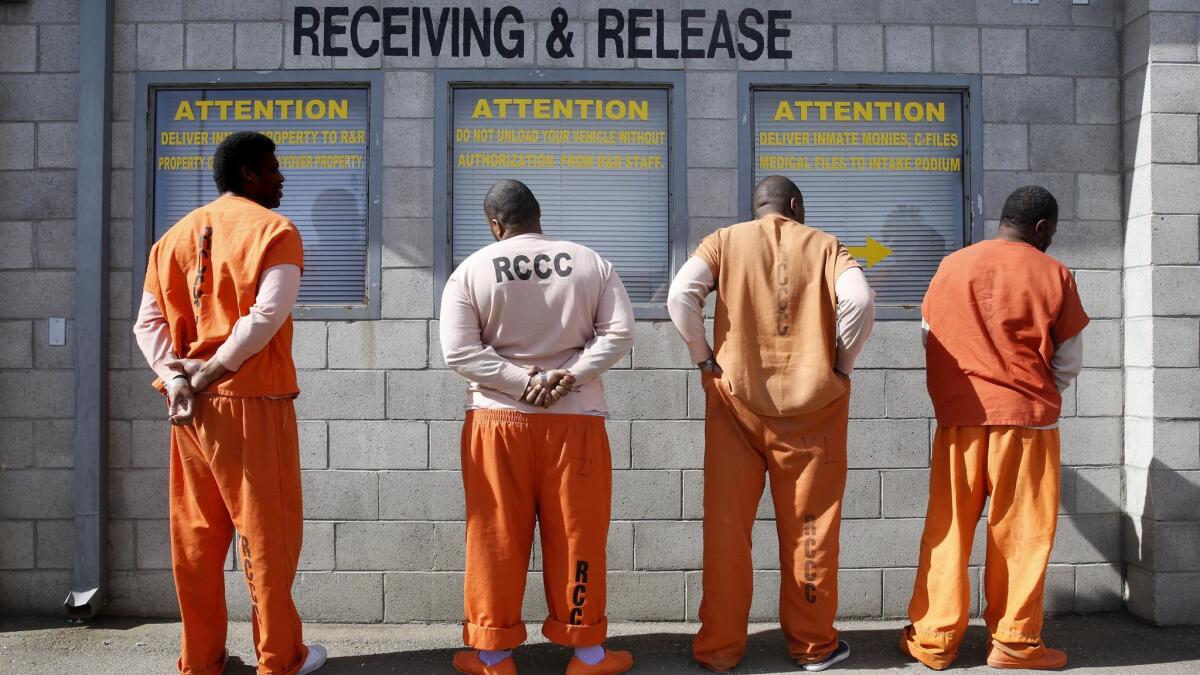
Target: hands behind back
x=547 y=387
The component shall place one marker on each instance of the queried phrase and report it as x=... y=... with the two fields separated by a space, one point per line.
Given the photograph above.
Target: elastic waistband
x=518 y=417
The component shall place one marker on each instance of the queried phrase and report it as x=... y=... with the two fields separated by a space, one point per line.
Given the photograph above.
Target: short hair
x=512 y=203
x=244 y=148
x=1027 y=205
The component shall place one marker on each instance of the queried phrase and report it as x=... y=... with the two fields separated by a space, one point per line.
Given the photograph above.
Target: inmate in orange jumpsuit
x=997 y=312
x=237 y=465
x=779 y=410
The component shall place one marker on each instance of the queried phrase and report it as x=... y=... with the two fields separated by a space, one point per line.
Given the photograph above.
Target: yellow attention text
x=247 y=110
x=561 y=108
x=860 y=111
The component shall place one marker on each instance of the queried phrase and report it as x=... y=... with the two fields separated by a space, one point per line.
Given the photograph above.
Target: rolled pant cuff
x=569 y=635
x=937 y=650
x=493 y=639
x=214 y=670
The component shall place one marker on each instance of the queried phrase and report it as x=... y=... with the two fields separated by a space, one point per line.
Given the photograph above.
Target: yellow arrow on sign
x=873 y=252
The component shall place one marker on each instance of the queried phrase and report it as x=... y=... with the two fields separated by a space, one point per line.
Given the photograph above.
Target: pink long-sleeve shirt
x=534 y=300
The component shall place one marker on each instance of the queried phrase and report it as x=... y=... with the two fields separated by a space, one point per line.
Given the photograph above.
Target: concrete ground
x=1101 y=643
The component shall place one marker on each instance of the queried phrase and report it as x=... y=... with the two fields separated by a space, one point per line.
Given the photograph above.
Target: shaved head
x=512 y=204
x=777 y=194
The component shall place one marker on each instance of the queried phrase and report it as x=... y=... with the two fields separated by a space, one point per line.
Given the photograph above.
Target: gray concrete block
x=859 y=48
x=409 y=189
x=16 y=444
x=1174 y=290
x=133 y=11
x=905 y=493
x=445 y=445
x=672 y=545
x=407 y=294
x=32 y=592
x=143 y=593
x=1102 y=346
x=862 y=496
x=906 y=394
x=697 y=398
x=909 y=49
x=646 y=394
x=39 y=98
x=55 y=544
x=712 y=144
x=893 y=344
x=1004 y=13
x=880 y=543
x=1098 y=588
x=1087 y=539
x=258 y=46
x=422 y=596
x=18 y=238
x=1006 y=146
x=56 y=243
x=1171 y=189
x=1081 y=52
x=1027 y=99
x=657 y=345
x=1059 y=595
x=16 y=344
x=150 y=443
x=384 y=546
x=708 y=93
x=421 y=495
x=620 y=550
x=209 y=46
x=340 y=495
x=130 y=395
x=1162 y=342
x=667 y=445
x=998 y=185
x=119 y=444
x=1004 y=51
x=1097 y=101
x=1097 y=490
x=1100 y=393
x=383 y=444
x=867 y=394
x=408 y=142
x=37 y=393
x=1090 y=441
x=646 y=596
x=355 y=597
x=449 y=545
x=1173 y=37
x=153 y=545
x=314 y=444
x=956 y=49
x=712 y=193
x=407 y=242
x=926 y=11
x=888 y=444
x=18 y=48
x=1066 y=147
x=409 y=93
x=317 y=554
x=1177 y=547
x=378 y=344
x=340 y=394
x=121 y=546
x=1170 y=444
x=160 y=46
x=620 y=443
x=646 y=495
x=426 y=395
x=1102 y=13
x=309 y=340
x=18 y=550
x=41 y=194
x=46 y=355
x=1174 y=87
x=1099 y=197
x=860 y=594
x=134 y=493
x=812 y=48
x=1100 y=291
x=1173 y=240
x=18 y=139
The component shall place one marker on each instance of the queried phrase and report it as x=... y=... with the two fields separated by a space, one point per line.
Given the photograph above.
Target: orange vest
x=776 y=323
x=995 y=311
x=204 y=275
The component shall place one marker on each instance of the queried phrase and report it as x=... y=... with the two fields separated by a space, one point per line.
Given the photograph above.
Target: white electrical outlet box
x=58 y=331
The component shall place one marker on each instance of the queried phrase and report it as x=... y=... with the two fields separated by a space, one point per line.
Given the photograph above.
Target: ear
x=248 y=175
x=797 y=208
x=496 y=228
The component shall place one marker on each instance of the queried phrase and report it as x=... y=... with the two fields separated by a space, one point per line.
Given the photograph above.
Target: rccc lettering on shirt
x=522 y=268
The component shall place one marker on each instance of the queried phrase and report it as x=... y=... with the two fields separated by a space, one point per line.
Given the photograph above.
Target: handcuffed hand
x=547 y=386
x=181 y=402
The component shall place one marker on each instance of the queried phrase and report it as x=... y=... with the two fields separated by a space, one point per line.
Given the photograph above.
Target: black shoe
x=840 y=654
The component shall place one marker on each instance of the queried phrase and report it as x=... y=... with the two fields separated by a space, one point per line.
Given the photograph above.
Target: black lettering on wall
x=776 y=32
x=687 y=32
x=604 y=32
x=436 y=38
x=472 y=32
x=517 y=48
x=299 y=30
x=392 y=27
x=751 y=33
x=636 y=32
x=722 y=36
x=333 y=29
x=373 y=45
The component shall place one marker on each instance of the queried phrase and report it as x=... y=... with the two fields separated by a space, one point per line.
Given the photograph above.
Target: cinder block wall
x=381 y=413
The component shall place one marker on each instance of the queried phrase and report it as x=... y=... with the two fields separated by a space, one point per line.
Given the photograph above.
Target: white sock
x=491 y=658
x=590 y=655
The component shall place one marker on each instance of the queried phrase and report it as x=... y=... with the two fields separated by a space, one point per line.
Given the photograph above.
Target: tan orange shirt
x=204 y=275
x=776 y=325
x=995 y=312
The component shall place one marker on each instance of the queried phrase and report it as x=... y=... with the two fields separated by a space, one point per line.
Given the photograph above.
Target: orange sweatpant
x=1018 y=468
x=237 y=466
x=556 y=469
x=805 y=459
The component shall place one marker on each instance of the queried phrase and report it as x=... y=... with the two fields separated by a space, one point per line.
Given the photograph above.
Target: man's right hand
x=181 y=402
x=547 y=387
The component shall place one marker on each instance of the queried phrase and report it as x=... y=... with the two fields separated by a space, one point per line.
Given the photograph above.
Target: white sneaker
x=316 y=659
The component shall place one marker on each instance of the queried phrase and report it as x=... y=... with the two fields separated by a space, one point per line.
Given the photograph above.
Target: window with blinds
x=321 y=137
x=596 y=158
x=884 y=171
